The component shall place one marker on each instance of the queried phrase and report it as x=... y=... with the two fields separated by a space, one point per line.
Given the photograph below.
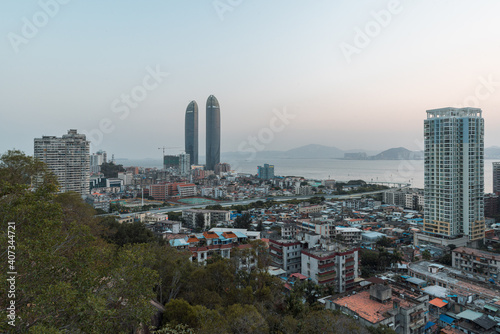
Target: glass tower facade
x=213 y=133
x=191 y=132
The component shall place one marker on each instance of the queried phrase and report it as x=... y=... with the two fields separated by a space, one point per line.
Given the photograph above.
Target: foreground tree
x=68 y=278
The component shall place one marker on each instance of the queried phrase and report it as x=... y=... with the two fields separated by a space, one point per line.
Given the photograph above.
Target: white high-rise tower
x=454 y=173
x=68 y=157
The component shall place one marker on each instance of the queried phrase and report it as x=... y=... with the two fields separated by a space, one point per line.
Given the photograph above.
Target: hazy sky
x=353 y=74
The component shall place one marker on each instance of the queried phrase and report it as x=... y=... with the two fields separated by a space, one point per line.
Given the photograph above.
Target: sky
x=350 y=74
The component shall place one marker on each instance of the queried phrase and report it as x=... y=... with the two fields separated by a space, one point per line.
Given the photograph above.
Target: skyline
x=418 y=56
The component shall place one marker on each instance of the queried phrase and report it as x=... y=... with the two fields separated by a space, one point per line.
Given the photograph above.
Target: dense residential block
x=335 y=265
x=69 y=158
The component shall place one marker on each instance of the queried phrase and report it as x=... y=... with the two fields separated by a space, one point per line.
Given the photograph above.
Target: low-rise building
x=286 y=254
x=348 y=234
x=396 y=307
x=311 y=209
x=333 y=264
x=210 y=216
x=476 y=261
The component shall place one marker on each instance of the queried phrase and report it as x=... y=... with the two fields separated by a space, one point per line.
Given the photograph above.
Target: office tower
x=496 y=178
x=213 y=133
x=191 y=132
x=265 y=172
x=184 y=164
x=68 y=157
x=96 y=160
x=454 y=173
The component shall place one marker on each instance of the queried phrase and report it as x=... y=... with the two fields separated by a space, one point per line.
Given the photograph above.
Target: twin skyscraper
x=213 y=132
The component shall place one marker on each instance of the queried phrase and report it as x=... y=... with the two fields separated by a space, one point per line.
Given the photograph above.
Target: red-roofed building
x=388 y=305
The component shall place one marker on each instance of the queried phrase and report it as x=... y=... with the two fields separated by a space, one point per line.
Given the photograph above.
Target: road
x=248 y=201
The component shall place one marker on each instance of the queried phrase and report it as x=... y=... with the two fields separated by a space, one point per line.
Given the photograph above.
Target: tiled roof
x=438 y=302
x=192 y=239
x=210 y=235
x=298 y=275
x=367 y=308
x=229 y=235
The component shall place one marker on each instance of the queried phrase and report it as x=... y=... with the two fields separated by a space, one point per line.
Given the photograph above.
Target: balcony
x=326 y=265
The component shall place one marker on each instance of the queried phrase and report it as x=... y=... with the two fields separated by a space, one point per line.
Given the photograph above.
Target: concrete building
x=171 y=161
x=496 y=178
x=333 y=265
x=265 y=172
x=303 y=190
x=69 y=158
x=186 y=190
x=312 y=208
x=491 y=205
x=348 y=234
x=286 y=254
x=213 y=133
x=96 y=160
x=222 y=168
x=127 y=177
x=454 y=173
x=330 y=184
x=476 y=261
x=184 y=164
x=400 y=309
x=210 y=216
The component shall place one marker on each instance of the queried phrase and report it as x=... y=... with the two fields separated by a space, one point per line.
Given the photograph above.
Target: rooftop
x=477 y=252
x=369 y=309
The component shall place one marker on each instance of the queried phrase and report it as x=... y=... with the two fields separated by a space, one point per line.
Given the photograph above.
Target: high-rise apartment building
x=454 y=173
x=191 y=132
x=496 y=178
x=96 y=160
x=69 y=158
x=265 y=172
x=213 y=133
x=184 y=164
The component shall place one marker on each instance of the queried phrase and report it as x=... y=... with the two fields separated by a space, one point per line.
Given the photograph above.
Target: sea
x=395 y=171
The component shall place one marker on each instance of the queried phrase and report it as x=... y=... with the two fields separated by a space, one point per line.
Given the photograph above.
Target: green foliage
x=69 y=279
x=126 y=233
x=199 y=222
x=384 y=242
x=382 y=329
x=446 y=259
x=243 y=221
x=78 y=273
x=214 y=207
x=426 y=255
x=375 y=261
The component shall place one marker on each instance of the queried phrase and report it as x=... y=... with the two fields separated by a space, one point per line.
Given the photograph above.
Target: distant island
x=315 y=151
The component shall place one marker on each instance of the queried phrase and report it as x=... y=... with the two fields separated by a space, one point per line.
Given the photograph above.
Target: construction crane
x=163 y=148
